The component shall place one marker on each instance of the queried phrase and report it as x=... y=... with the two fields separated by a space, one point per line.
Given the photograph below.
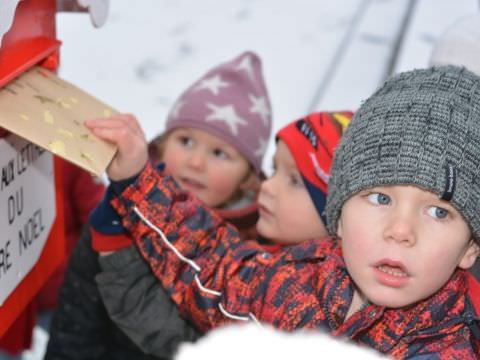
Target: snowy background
x=317 y=54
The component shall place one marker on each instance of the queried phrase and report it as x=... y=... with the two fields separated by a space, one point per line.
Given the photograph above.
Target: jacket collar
x=383 y=328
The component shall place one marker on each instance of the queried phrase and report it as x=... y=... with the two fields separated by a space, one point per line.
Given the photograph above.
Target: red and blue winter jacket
x=215 y=277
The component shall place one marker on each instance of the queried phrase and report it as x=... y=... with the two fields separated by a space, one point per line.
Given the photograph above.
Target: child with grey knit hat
x=460 y=45
x=403 y=212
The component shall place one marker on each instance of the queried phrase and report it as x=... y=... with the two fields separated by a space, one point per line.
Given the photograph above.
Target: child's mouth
x=264 y=212
x=192 y=184
x=392 y=270
x=391 y=273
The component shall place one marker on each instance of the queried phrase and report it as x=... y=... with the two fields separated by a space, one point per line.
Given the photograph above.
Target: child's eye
x=274 y=169
x=219 y=153
x=295 y=180
x=379 y=199
x=185 y=140
x=437 y=212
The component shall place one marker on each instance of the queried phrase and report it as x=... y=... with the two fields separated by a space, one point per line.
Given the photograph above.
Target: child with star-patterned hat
x=215 y=139
x=229 y=105
x=230 y=102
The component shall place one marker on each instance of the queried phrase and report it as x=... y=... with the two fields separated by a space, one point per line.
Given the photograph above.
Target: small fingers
x=117 y=121
x=113 y=135
x=122 y=137
x=110 y=122
x=134 y=124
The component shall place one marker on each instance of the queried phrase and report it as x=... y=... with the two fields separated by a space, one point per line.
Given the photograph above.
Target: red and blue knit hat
x=312 y=141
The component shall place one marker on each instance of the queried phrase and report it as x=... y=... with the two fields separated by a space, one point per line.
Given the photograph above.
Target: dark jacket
x=81 y=327
x=223 y=278
x=139 y=306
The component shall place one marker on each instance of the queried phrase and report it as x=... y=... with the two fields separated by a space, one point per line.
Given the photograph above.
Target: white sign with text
x=27 y=208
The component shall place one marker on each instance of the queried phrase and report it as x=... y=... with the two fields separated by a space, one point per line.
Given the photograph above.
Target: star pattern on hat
x=176 y=108
x=260 y=106
x=226 y=114
x=262 y=147
x=246 y=65
x=213 y=83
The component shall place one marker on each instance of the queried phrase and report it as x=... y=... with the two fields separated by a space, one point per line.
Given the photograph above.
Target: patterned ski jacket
x=215 y=278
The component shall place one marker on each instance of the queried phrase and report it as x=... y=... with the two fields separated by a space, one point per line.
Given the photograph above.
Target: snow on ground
x=264 y=342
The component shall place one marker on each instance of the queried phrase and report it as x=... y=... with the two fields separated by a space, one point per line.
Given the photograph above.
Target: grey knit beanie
x=421 y=128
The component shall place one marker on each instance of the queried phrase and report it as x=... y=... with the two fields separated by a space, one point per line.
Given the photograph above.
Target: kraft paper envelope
x=49 y=112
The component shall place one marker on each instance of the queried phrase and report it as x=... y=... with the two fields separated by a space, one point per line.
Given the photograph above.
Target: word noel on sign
x=27 y=208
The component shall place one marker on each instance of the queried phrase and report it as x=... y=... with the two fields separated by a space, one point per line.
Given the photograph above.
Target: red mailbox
x=27 y=38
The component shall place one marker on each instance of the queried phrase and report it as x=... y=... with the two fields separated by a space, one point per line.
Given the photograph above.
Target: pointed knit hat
x=231 y=102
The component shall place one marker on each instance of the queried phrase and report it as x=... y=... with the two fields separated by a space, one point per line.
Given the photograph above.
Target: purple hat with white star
x=230 y=101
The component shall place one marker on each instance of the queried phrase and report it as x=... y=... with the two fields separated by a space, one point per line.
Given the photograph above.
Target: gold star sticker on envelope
x=50 y=112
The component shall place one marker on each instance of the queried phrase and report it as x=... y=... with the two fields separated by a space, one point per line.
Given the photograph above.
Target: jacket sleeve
x=139 y=306
x=81 y=328
x=211 y=274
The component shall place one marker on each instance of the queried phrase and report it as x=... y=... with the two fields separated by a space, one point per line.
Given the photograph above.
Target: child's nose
x=267 y=187
x=197 y=160
x=401 y=228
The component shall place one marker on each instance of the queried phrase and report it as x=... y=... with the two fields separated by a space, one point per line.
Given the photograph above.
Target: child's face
x=401 y=243
x=287 y=213
x=205 y=165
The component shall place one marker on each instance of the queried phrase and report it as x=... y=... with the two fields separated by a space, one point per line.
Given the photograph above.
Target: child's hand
x=125 y=132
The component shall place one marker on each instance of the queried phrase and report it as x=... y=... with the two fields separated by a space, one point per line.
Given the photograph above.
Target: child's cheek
x=172 y=167
x=222 y=186
x=355 y=236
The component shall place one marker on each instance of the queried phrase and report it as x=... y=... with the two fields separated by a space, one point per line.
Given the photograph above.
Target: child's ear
x=251 y=183
x=470 y=256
